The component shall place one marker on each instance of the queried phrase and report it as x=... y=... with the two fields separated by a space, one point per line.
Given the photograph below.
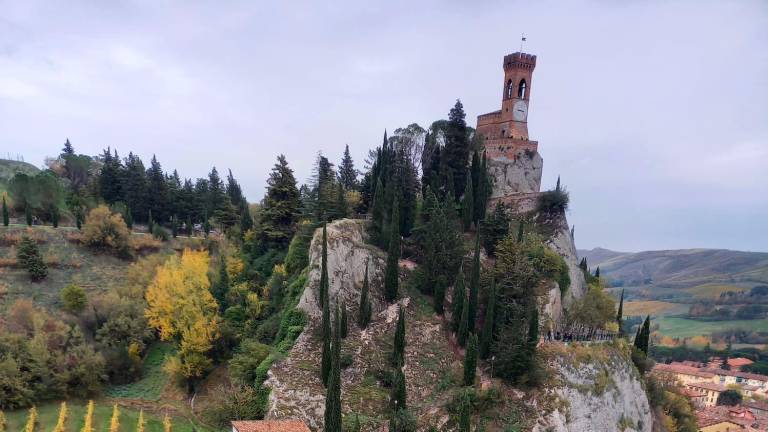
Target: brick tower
x=505 y=132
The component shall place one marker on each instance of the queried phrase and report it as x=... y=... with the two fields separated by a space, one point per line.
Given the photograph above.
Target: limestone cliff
x=522 y=174
x=597 y=389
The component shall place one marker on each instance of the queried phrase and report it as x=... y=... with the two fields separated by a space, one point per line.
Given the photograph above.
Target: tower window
x=510 y=89
x=521 y=89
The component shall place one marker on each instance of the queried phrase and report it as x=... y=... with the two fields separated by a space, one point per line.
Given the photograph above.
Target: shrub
x=346 y=360
x=73 y=298
x=106 y=230
x=246 y=360
x=242 y=402
x=553 y=202
x=160 y=233
x=28 y=256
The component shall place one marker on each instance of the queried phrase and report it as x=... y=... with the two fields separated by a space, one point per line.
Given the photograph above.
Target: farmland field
x=712 y=291
x=653 y=308
x=48 y=414
x=683 y=327
x=154 y=379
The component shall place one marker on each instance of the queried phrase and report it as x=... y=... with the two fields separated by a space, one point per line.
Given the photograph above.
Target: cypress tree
x=28 y=214
x=475 y=175
x=463 y=325
x=597 y=272
x=474 y=288
x=190 y=227
x=398 y=353
x=456 y=150
x=481 y=196
x=323 y=294
x=364 y=316
x=636 y=341
x=468 y=205
x=438 y=295
x=464 y=414
x=55 y=216
x=459 y=298
x=392 y=272
x=333 y=392
x=206 y=223
x=533 y=332
x=344 y=321
x=645 y=335
x=398 y=399
x=150 y=222
x=325 y=360
x=470 y=361
x=490 y=322
x=377 y=212
x=619 y=318
x=6 y=218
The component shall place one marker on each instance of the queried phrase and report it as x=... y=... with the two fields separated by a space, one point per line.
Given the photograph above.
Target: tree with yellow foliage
x=140 y=423
x=31 y=420
x=62 y=418
x=167 y=423
x=88 y=422
x=181 y=307
x=2 y=421
x=114 y=423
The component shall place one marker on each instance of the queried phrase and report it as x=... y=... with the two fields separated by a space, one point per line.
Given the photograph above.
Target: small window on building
x=521 y=89
x=510 y=89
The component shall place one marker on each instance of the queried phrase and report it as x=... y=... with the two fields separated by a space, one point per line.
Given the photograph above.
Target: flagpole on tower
x=522 y=39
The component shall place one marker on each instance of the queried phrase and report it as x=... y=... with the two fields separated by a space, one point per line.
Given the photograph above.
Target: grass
x=653 y=307
x=683 y=327
x=48 y=414
x=154 y=379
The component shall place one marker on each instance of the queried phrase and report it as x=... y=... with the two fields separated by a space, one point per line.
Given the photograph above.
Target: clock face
x=520 y=111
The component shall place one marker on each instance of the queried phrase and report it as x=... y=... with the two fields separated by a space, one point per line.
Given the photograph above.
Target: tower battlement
x=519 y=60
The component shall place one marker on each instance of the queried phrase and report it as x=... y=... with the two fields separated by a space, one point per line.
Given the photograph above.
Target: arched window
x=521 y=89
x=510 y=89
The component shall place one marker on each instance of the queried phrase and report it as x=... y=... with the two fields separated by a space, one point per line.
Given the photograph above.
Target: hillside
x=8 y=168
x=682 y=268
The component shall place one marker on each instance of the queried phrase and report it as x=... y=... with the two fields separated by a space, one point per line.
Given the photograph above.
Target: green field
x=48 y=414
x=683 y=327
x=153 y=380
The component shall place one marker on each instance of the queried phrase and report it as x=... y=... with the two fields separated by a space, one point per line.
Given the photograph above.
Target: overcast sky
x=655 y=114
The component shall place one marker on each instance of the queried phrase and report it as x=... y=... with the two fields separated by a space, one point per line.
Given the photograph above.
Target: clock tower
x=505 y=132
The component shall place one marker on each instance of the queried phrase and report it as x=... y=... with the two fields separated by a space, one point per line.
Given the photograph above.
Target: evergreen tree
x=461 y=336
x=128 y=217
x=333 y=392
x=347 y=171
x=467 y=206
x=150 y=222
x=55 y=216
x=398 y=400
x=490 y=322
x=456 y=152
x=6 y=218
x=619 y=313
x=643 y=335
x=28 y=214
x=29 y=257
x=474 y=289
x=520 y=231
x=459 y=298
x=280 y=210
x=135 y=186
x=221 y=288
x=483 y=191
x=109 y=180
x=190 y=227
x=340 y=206
x=465 y=414
x=364 y=316
x=494 y=228
x=325 y=360
x=533 y=332
x=206 y=223
x=79 y=218
x=174 y=226
x=377 y=212
x=392 y=271
x=344 y=321
x=68 y=150
x=726 y=356
x=470 y=361
x=398 y=353
x=597 y=272
x=324 y=294
x=157 y=199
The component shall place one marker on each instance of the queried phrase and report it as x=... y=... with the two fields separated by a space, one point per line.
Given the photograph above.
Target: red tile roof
x=708 y=386
x=739 y=362
x=270 y=426
x=682 y=369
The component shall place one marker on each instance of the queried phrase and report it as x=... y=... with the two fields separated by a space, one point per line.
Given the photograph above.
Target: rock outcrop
x=522 y=174
x=598 y=390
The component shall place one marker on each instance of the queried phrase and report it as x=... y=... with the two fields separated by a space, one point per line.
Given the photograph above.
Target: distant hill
x=679 y=268
x=8 y=168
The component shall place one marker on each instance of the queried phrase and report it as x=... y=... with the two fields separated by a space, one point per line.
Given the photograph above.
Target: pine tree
x=31 y=420
x=29 y=257
x=474 y=288
x=325 y=360
x=324 y=284
x=398 y=399
x=459 y=298
x=344 y=321
x=467 y=205
x=470 y=361
x=463 y=333
x=392 y=271
x=333 y=392
x=364 y=316
x=347 y=171
x=619 y=313
x=6 y=218
x=398 y=353
x=68 y=150
x=280 y=211
x=62 y=419
x=490 y=322
x=114 y=422
x=140 y=422
x=88 y=420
